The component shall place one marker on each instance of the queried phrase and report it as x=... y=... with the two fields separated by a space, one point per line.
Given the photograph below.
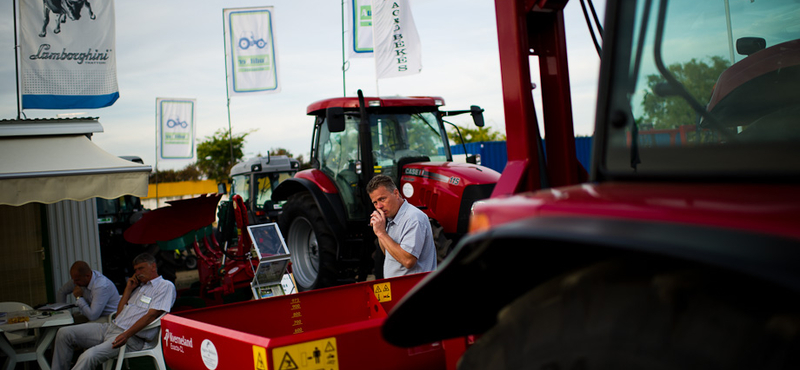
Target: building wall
x=159 y=194
x=73 y=235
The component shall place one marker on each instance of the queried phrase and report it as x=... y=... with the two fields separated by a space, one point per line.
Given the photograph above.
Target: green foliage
x=283 y=151
x=666 y=112
x=189 y=173
x=473 y=135
x=214 y=154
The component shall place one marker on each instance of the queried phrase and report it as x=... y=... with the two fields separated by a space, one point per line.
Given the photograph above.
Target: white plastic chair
x=151 y=349
x=18 y=336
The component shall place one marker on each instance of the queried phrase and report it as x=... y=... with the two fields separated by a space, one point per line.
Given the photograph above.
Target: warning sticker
x=259 y=358
x=383 y=291
x=319 y=354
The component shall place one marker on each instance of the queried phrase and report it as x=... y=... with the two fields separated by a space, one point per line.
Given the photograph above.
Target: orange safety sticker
x=383 y=291
x=259 y=358
x=318 y=354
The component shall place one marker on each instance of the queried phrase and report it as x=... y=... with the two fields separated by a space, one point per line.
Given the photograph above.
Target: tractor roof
x=398 y=101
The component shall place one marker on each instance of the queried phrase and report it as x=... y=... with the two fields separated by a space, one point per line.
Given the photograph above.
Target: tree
x=283 y=151
x=214 y=154
x=671 y=111
x=188 y=173
x=473 y=135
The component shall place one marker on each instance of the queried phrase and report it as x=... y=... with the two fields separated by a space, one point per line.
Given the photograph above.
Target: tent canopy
x=47 y=161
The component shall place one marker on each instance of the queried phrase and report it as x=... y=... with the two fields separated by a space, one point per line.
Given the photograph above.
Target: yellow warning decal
x=318 y=354
x=259 y=358
x=383 y=291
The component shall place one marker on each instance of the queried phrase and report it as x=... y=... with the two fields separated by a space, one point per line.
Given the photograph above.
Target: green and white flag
x=251 y=56
x=397 y=48
x=175 y=128
x=359 y=28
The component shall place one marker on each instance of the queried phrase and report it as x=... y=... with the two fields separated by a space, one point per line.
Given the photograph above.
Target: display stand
x=270 y=279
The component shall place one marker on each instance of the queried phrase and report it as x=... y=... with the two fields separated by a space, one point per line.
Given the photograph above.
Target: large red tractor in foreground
x=325 y=219
x=678 y=253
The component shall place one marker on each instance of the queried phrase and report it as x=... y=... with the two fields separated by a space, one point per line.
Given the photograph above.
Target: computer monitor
x=268 y=241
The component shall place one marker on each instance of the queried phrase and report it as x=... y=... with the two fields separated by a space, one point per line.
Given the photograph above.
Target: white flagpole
x=344 y=62
x=157 y=137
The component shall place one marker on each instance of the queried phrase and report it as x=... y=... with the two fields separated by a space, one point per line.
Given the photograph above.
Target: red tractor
x=680 y=254
x=325 y=218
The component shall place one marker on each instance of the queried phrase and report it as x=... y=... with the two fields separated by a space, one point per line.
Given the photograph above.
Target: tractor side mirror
x=477 y=115
x=750 y=45
x=335 y=118
x=221 y=188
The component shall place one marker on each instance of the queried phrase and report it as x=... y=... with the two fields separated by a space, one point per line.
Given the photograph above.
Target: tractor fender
x=532 y=251
x=329 y=203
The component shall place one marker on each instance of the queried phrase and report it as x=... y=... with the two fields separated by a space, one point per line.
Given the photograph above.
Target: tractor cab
x=255 y=179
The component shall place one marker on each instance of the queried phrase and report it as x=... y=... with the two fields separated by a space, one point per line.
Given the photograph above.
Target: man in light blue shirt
x=146 y=297
x=95 y=295
x=403 y=231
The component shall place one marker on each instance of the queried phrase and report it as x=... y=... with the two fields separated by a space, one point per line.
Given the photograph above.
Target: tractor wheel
x=443 y=244
x=632 y=316
x=190 y=263
x=310 y=241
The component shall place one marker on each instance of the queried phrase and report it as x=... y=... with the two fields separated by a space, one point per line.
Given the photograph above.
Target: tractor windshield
x=704 y=89
x=397 y=138
x=265 y=183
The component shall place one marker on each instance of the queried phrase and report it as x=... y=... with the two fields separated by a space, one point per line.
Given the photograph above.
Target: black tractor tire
x=624 y=315
x=310 y=241
x=441 y=241
x=190 y=262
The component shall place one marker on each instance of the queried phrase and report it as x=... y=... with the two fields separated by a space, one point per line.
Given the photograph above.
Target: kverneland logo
x=172 y=338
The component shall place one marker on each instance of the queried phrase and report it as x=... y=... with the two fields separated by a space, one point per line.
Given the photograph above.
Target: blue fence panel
x=583 y=149
x=495 y=155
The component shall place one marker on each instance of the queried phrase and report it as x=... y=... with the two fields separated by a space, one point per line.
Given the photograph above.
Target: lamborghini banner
x=397 y=48
x=359 y=28
x=250 y=60
x=176 y=128
x=67 y=54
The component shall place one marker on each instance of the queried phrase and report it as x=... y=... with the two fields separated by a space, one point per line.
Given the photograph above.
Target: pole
x=227 y=90
x=730 y=33
x=157 y=135
x=16 y=62
x=344 y=65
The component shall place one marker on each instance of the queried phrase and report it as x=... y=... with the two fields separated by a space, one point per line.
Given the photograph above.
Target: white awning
x=48 y=169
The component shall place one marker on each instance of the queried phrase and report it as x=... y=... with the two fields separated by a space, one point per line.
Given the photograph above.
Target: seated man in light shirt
x=95 y=295
x=147 y=295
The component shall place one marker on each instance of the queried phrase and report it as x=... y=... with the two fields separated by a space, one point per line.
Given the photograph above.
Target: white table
x=48 y=326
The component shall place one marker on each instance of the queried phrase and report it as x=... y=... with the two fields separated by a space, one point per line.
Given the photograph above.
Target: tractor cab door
x=339 y=157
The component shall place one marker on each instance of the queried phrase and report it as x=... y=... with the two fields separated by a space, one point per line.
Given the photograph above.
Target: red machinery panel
x=334 y=328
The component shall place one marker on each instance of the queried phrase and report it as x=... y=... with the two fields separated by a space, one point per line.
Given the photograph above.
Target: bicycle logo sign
x=245 y=43
x=176 y=122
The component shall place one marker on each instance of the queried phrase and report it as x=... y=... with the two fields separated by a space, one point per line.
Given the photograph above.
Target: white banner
x=397 y=48
x=251 y=60
x=175 y=128
x=67 y=54
x=359 y=28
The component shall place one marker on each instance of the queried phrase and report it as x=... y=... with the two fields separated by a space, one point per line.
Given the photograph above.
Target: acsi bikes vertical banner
x=251 y=60
x=397 y=48
x=67 y=54
x=359 y=28
x=176 y=127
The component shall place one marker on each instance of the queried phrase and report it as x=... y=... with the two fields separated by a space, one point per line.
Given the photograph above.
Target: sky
x=174 y=49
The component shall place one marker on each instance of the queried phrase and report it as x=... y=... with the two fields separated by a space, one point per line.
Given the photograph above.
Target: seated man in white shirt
x=95 y=295
x=147 y=295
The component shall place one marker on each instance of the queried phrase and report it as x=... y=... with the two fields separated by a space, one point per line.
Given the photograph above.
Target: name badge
x=145 y=299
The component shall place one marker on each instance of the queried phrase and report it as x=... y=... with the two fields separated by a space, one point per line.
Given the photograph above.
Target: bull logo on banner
x=63 y=9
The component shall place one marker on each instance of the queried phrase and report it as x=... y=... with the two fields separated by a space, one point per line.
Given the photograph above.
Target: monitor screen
x=270 y=273
x=268 y=240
